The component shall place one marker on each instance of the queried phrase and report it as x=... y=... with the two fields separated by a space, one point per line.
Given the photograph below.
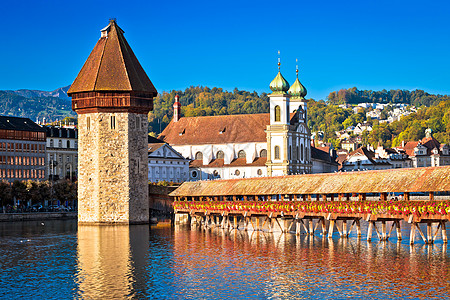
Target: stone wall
x=112 y=184
x=38 y=216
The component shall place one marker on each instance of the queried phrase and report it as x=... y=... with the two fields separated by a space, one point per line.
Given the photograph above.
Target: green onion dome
x=279 y=85
x=297 y=90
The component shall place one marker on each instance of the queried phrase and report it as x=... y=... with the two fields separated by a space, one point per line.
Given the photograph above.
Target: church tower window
x=241 y=154
x=198 y=155
x=301 y=153
x=220 y=154
x=277 y=113
x=277 y=152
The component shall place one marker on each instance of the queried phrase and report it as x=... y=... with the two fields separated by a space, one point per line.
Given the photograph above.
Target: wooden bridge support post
x=304 y=198
x=348 y=196
x=324 y=197
x=431 y=198
x=235 y=221
x=369 y=231
x=344 y=229
x=332 y=197
x=444 y=232
x=412 y=234
x=358 y=228
x=257 y=224
x=311 y=227
x=398 y=229
x=406 y=196
x=331 y=229
x=384 y=236
x=324 y=227
x=297 y=227
x=429 y=233
x=270 y=225
x=340 y=196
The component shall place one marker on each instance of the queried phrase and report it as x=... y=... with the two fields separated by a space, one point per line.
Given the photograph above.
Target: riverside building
x=62 y=152
x=22 y=149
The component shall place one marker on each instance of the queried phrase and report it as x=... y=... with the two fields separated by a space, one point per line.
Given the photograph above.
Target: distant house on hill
x=427 y=152
x=364 y=158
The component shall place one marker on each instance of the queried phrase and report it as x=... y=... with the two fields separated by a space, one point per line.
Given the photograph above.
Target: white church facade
x=252 y=145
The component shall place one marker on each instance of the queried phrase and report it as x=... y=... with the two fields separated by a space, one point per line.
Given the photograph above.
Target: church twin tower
x=112 y=96
x=288 y=136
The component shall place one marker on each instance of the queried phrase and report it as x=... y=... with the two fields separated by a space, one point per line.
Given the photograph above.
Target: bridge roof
x=431 y=179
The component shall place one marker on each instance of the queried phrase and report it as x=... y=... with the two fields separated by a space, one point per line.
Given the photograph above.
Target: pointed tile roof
x=112 y=66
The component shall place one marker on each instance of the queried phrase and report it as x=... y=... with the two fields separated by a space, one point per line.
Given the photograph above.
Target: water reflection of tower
x=112 y=261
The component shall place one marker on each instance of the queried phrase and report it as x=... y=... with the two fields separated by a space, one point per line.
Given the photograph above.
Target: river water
x=59 y=260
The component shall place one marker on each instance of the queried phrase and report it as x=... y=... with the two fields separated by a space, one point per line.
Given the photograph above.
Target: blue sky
x=339 y=44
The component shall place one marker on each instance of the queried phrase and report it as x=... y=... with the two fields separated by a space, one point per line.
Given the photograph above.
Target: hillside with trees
x=204 y=101
x=355 y=96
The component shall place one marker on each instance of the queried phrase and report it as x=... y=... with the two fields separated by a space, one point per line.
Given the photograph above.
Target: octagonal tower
x=112 y=96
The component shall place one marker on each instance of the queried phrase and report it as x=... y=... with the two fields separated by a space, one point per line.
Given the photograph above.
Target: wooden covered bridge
x=296 y=202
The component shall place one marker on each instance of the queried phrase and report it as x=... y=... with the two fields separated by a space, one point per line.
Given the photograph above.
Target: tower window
x=113 y=122
x=277 y=152
x=220 y=154
x=198 y=155
x=263 y=153
x=138 y=122
x=68 y=144
x=277 y=113
x=88 y=123
x=241 y=154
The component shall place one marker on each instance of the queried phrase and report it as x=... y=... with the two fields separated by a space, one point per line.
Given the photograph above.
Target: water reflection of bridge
x=324 y=202
x=289 y=266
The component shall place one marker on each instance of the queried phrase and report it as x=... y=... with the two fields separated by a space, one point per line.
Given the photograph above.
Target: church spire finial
x=279 y=60
x=296 y=67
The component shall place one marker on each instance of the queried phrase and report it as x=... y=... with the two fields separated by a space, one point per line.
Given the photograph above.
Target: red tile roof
x=249 y=128
x=217 y=130
x=112 y=66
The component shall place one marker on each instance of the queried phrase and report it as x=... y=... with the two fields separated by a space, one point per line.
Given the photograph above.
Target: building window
x=220 y=154
x=237 y=172
x=259 y=172
x=113 y=122
x=198 y=155
x=194 y=174
x=263 y=153
x=277 y=113
x=68 y=144
x=59 y=144
x=277 y=152
x=241 y=154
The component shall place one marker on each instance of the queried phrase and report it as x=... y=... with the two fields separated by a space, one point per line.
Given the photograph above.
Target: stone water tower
x=112 y=96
